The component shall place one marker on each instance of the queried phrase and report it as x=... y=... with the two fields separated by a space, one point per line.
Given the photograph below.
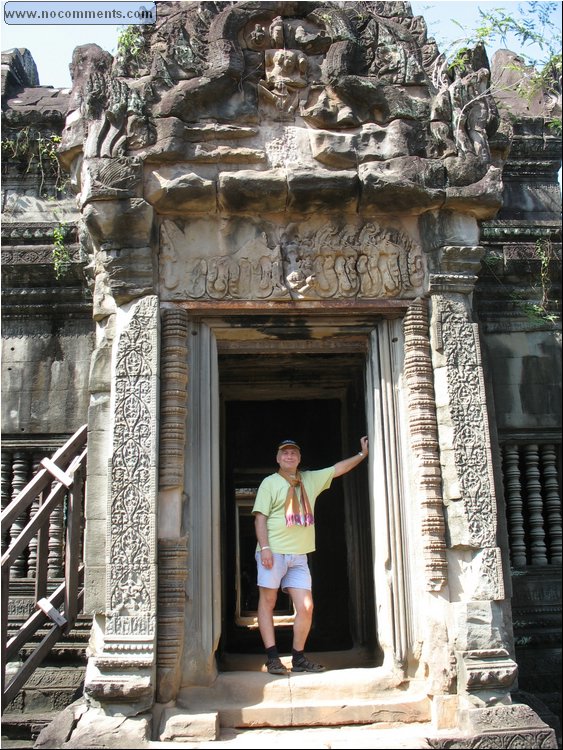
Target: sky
x=52 y=46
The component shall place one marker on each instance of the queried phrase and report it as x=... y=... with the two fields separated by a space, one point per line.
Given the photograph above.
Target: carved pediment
x=341 y=85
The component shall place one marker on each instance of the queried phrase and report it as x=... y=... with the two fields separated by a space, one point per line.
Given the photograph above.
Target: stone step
x=20 y=730
x=365 y=737
x=335 y=697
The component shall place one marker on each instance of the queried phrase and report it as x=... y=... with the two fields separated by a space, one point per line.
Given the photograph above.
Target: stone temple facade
x=294 y=218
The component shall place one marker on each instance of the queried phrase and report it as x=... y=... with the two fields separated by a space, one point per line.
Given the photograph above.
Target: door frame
x=382 y=340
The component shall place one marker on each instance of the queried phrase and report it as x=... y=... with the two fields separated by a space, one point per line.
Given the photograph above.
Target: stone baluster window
x=32 y=557
x=6 y=490
x=18 y=468
x=21 y=471
x=532 y=487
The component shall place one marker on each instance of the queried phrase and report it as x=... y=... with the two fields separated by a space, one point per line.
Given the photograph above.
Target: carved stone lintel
x=296 y=262
x=507 y=726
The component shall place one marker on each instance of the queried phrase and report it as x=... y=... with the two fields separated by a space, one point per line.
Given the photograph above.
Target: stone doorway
x=255 y=380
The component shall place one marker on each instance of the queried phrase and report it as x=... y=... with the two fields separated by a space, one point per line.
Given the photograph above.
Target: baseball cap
x=288 y=444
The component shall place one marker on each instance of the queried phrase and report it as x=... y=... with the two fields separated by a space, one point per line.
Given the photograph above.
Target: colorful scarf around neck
x=297 y=513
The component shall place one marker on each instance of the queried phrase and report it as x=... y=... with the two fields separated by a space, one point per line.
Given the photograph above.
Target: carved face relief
x=286 y=66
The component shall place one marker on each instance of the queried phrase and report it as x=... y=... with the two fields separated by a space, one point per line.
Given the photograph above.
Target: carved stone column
x=482 y=635
x=174 y=396
x=20 y=477
x=173 y=572
x=423 y=434
x=552 y=506
x=515 y=505
x=172 y=548
x=122 y=669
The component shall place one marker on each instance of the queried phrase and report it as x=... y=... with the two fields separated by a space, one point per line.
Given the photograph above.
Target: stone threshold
x=335 y=697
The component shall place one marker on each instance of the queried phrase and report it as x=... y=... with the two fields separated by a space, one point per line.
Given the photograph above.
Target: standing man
x=284 y=521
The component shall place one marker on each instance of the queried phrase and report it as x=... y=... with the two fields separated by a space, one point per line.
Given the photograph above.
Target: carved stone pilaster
x=475 y=562
x=173 y=572
x=485 y=674
x=173 y=399
x=465 y=446
x=124 y=670
x=463 y=397
x=423 y=435
x=454 y=268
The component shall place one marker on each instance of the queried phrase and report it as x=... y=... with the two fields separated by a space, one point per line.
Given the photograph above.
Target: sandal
x=304 y=665
x=275 y=666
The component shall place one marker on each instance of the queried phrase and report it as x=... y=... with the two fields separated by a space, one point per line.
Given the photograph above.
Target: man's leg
x=303 y=603
x=266 y=603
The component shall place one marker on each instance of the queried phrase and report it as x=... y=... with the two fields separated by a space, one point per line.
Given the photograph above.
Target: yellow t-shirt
x=270 y=500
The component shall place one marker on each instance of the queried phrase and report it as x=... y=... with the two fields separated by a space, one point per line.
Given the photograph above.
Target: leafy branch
x=132 y=49
x=540 y=38
x=544 y=309
x=60 y=252
x=34 y=151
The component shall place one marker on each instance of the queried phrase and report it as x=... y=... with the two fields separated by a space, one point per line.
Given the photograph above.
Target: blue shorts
x=287 y=572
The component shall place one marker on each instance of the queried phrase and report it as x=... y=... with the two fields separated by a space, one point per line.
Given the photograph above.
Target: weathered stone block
x=444 y=711
x=176 y=191
x=248 y=191
x=181 y=726
x=95 y=588
x=95 y=541
x=322 y=190
x=372 y=143
x=96 y=729
x=448 y=228
x=482 y=199
x=114 y=224
x=407 y=184
x=100 y=369
x=479 y=626
x=58 y=731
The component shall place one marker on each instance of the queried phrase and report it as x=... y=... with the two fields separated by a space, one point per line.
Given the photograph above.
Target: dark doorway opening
x=319 y=402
